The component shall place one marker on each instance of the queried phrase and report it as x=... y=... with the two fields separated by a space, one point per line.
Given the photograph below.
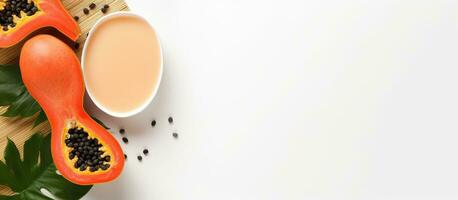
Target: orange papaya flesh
x=83 y=151
x=19 y=18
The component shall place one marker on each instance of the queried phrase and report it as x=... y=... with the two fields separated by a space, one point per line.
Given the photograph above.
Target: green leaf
x=40 y=118
x=9 y=93
x=24 y=106
x=56 y=185
x=45 y=152
x=13 y=161
x=10 y=84
x=41 y=173
x=14 y=94
x=9 y=73
x=31 y=152
x=2 y=197
x=7 y=177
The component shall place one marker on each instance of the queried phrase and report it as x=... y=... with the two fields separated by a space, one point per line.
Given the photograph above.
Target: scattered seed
x=145 y=151
x=175 y=135
x=125 y=140
x=77 y=46
x=153 y=123
x=86 y=11
x=104 y=10
x=106 y=6
x=125 y=156
x=76 y=18
x=122 y=131
x=92 y=6
x=170 y=120
x=139 y=158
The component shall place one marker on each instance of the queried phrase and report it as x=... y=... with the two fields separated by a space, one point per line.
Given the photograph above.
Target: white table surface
x=297 y=100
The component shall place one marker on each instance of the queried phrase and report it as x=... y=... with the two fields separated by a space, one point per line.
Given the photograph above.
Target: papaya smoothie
x=122 y=64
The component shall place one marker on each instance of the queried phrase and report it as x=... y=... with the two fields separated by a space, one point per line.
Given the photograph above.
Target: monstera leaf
x=14 y=95
x=35 y=175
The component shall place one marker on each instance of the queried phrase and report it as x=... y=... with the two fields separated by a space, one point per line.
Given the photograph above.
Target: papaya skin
x=51 y=14
x=52 y=74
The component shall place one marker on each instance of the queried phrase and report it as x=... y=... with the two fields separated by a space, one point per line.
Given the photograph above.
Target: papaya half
x=83 y=151
x=19 y=18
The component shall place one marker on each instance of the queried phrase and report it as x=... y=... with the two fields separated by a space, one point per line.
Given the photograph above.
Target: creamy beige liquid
x=122 y=63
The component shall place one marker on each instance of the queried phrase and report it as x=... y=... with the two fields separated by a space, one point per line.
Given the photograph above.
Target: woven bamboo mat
x=20 y=130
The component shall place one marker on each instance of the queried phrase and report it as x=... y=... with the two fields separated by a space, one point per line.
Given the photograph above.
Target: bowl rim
x=153 y=94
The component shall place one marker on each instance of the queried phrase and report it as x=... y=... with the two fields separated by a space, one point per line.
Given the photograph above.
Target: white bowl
x=83 y=56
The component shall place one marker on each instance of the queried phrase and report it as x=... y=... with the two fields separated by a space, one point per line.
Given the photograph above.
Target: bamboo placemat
x=19 y=130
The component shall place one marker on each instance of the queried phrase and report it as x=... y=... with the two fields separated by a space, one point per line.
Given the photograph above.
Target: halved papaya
x=19 y=18
x=83 y=151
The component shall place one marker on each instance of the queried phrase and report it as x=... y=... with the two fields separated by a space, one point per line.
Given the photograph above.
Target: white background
x=298 y=100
